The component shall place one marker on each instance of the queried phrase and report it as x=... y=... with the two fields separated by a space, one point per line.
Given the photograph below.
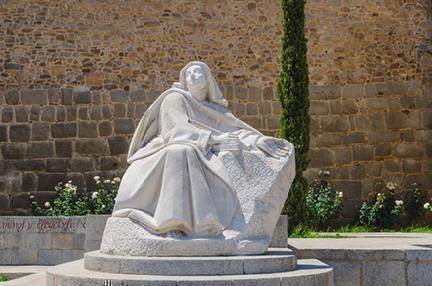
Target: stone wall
x=76 y=76
x=370 y=72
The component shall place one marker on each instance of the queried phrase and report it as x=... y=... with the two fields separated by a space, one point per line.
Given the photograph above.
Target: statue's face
x=196 y=80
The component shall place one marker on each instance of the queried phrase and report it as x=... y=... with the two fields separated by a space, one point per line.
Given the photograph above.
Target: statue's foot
x=175 y=234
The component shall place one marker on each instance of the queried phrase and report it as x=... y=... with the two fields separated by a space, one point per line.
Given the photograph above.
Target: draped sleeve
x=175 y=125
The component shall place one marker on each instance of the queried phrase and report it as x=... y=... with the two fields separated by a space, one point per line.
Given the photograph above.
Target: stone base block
x=275 y=260
x=309 y=272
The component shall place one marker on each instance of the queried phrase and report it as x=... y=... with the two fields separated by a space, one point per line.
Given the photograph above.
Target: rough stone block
x=66 y=96
x=78 y=241
x=53 y=96
x=343 y=155
x=384 y=273
x=81 y=164
x=19 y=132
x=24 y=256
x=363 y=152
x=419 y=273
x=424 y=180
x=38 y=240
x=87 y=129
x=21 y=113
x=49 y=257
x=109 y=163
x=30 y=165
x=40 y=131
x=119 y=110
x=124 y=126
x=63 y=130
x=4 y=201
x=13 y=150
x=374 y=168
x=352 y=91
x=91 y=147
x=7 y=114
x=48 y=113
x=57 y=165
x=408 y=150
x=411 y=166
x=47 y=181
x=396 y=120
x=392 y=166
x=105 y=128
x=137 y=95
x=71 y=113
x=35 y=112
x=12 y=240
x=96 y=113
x=61 y=113
x=325 y=92
x=118 y=145
x=335 y=123
x=40 y=150
x=63 y=148
x=3 y=132
x=383 y=149
x=35 y=96
x=82 y=96
x=12 y=97
x=62 y=240
x=346 y=272
x=319 y=107
x=321 y=157
x=119 y=96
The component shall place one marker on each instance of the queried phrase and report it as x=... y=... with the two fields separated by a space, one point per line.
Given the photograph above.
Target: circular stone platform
x=275 y=260
x=309 y=272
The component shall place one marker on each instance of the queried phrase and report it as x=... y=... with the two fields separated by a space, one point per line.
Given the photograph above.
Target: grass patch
x=4 y=278
x=302 y=231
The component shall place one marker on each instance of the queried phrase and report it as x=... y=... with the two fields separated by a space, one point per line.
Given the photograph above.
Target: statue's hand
x=274 y=147
x=225 y=138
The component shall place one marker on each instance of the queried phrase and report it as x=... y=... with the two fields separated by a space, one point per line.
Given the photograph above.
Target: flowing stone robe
x=176 y=180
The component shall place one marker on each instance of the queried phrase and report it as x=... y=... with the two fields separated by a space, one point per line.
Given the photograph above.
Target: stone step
x=310 y=272
x=275 y=260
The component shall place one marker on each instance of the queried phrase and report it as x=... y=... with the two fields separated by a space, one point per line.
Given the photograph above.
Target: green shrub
x=102 y=201
x=383 y=211
x=414 y=201
x=322 y=202
x=293 y=93
x=70 y=202
x=4 y=278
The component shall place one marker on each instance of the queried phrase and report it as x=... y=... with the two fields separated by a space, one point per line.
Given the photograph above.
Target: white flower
x=107 y=181
x=95 y=195
x=70 y=182
x=117 y=179
x=96 y=178
x=68 y=185
x=47 y=204
x=426 y=205
x=31 y=197
x=103 y=206
x=399 y=203
x=340 y=194
x=391 y=186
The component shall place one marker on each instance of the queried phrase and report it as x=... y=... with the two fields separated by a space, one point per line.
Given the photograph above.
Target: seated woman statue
x=177 y=182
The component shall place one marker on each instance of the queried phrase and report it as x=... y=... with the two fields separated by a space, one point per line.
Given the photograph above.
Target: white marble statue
x=197 y=171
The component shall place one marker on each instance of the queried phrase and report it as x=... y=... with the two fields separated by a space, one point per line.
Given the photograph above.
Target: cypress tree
x=294 y=99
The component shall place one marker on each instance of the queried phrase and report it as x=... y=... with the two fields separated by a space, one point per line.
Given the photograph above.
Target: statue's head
x=196 y=76
x=196 y=80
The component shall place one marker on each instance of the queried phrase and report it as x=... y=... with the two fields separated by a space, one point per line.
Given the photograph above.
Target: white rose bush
x=70 y=202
